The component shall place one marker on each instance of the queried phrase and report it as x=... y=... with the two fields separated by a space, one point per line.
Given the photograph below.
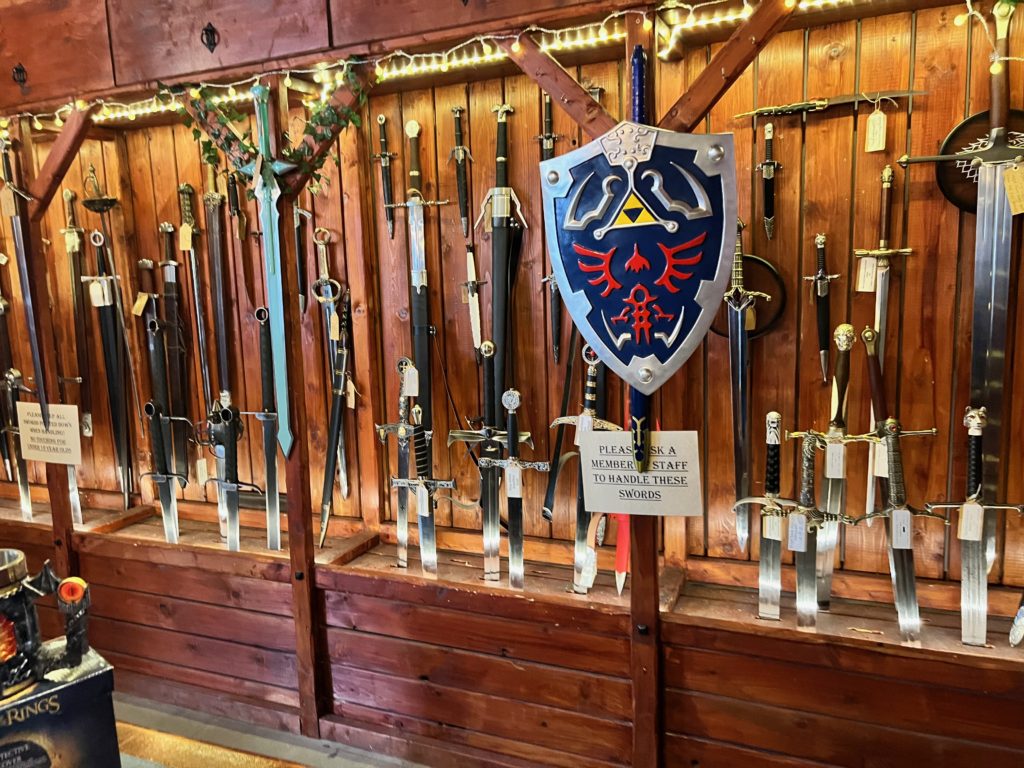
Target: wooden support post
x=308 y=644
x=572 y=97
x=727 y=65
x=62 y=154
x=644 y=588
x=64 y=558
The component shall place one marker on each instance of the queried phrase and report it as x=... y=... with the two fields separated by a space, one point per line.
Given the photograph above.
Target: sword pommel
x=502 y=111
x=845 y=337
x=457 y=111
x=975 y=419
x=511 y=400
x=381 y=119
x=487 y=349
x=870 y=338
x=887 y=174
x=412 y=129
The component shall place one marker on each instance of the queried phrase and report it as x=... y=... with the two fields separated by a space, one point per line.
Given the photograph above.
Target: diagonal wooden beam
x=572 y=97
x=62 y=154
x=727 y=65
x=219 y=130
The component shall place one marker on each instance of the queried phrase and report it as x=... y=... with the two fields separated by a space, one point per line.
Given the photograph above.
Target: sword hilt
x=384 y=156
x=772 y=468
x=845 y=338
x=185 y=192
x=511 y=400
x=975 y=420
x=69 y=210
x=768 y=166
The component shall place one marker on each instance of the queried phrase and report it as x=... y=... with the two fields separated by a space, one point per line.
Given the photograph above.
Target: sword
x=874 y=267
x=74 y=494
x=802 y=533
x=513 y=468
x=835 y=467
x=242 y=236
x=819 y=290
x=586 y=421
x=6 y=363
x=298 y=214
x=989 y=158
x=773 y=509
x=557 y=457
x=402 y=430
x=327 y=291
x=819 y=105
x=547 y=141
x=740 y=304
x=268 y=416
x=461 y=156
x=335 y=461
x=13 y=202
x=171 y=322
x=769 y=168
x=386 y=188
x=213 y=203
x=156 y=352
x=13 y=387
x=73 y=246
x=974 y=571
x=161 y=474
x=471 y=297
x=225 y=425
x=265 y=172
x=186 y=232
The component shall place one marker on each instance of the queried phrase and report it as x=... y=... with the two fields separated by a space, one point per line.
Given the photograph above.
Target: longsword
x=819 y=291
x=269 y=417
x=461 y=156
x=768 y=168
x=740 y=304
x=73 y=241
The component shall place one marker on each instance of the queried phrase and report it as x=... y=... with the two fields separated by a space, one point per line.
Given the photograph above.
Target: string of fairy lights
x=478 y=50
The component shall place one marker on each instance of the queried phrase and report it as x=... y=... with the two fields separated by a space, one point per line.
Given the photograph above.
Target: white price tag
x=350 y=394
x=422 y=501
x=874 y=140
x=584 y=424
x=902 y=529
x=835 y=461
x=202 y=472
x=867 y=272
x=881 y=461
x=514 y=481
x=972 y=522
x=771 y=527
x=797 y=541
x=411 y=382
x=185 y=237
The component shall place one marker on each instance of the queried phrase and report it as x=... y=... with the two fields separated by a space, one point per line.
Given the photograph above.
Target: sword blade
x=28 y=299
x=901 y=568
x=75 y=496
x=828 y=537
x=516 y=568
x=428 y=534
x=769 y=570
x=403 y=505
x=168 y=510
x=739 y=370
x=491 y=519
x=272 y=495
x=973 y=593
x=806 y=583
x=579 y=560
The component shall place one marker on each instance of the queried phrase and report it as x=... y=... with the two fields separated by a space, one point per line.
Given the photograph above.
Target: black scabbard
x=174 y=341
x=218 y=293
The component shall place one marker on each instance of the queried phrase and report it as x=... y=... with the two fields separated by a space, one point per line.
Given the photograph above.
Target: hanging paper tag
x=1013 y=182
x=7 y=206
x=584 y=424
x=972 y=522
x=3 y=259
x=797 y=532
x=771 y=527
x=902 y=529
x=72 y=241
x=411 y=382
x=97 y=296
x=140 y=304
x=874 y=140
x=514 y=481
x=422 y=501
x=751 y=320
x=202 y=473
x=835 y=461
x=881 y=461
x=350 y=394
x=334 y=330
x=867 y=271
x=185 y=237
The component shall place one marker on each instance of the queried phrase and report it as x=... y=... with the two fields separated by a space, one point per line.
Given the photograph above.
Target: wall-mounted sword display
x=73 y=246
x=768 y=168
x=335 y=464
x=386 y=187
x=461 y=156
x=819 y=105
x=819 y=292
x=970 y=531
x=971 y=172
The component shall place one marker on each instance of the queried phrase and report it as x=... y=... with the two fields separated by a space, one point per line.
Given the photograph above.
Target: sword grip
x=170 y=251
x=975 y=464
x=999 y=81
x=894 y=456
x=769 y=143
x=885 y=208
x=875 y=379
x=638 y=75
x=457 y=112
x=412 y=130
x=549 y=122
x=808 y=449
x=501 y=151
x=8 y=170
x=266 y=360
x=512 y=430
x=773 y=459
x=185 y=196
x=487 y=351
x=234 y=205
x=147 y=281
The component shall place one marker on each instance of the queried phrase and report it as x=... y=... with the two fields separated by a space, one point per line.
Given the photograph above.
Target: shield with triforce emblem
x=641 y=227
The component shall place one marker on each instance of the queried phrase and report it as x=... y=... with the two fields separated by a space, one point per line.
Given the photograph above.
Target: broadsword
x=878 y=264
x=269 y=417
x=402 y=430
x=13 y=387
x=586 y=421
x=335 y=461
x=835 y=466
x=802 y=532
x=740 y=304
x=773 y=509
x=970 y=531
x=819 y=291
x=768 y=168
x=547 y=141
x=386 y=187
x=73 y=241
x=461 y=156
x=513 y=467
x=268 y=192
x=171 y=323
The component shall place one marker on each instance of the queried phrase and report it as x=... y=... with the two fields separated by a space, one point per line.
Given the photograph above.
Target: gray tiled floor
x=234 y=735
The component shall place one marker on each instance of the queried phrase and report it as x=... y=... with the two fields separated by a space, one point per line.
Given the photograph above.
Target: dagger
x=819 y=105
x=768 y=168
x=819 y=290
x=461 y=157
x=387 y=192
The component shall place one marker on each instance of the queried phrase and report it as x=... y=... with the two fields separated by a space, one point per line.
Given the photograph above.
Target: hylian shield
x=641 y=225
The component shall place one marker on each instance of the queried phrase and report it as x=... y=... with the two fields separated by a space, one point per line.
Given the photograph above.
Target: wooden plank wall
x=827 y=184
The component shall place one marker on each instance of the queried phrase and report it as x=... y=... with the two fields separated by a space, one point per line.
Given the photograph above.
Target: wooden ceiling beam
x=727 y=65
x=572 y=97
x=65 y=148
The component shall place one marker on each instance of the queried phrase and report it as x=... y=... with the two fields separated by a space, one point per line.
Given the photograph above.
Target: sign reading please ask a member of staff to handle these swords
x=670 y=487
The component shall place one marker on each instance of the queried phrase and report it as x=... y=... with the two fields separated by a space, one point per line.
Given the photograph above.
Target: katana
x=768 y=168
x=819 y=291
x=269 y=417
x=461 y=156
x=335 y=463
x=966 y=159
x=586 y=421
x=875 y=265
x=773 y=509
x=819 y=105
x=740 y=304
x=970 y=531
x=241 y=230
x=402 y=430
x=471 y=298
x=14 y=204
x=102 y=288
x=386 y=188
x=13 y=387
x=803 y=522
x=268 y=192
x=299 y=232
x=513 y=468
x=173 y=326
x=896 y=512
x=186 y=234
x=547 y=141
x=835 y=466
x=73 y=241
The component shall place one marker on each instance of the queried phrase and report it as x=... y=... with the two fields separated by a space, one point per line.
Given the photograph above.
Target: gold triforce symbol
x=633 y=213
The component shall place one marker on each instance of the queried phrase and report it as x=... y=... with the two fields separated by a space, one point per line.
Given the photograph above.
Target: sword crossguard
x=770 y=505
x=165 y=477
x=887 y=512
x=540 y=466
x=431 y=484
x=879 y=436
x=881 y=253
x=740 y=298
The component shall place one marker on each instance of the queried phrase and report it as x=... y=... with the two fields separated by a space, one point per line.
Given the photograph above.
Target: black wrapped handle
x=773 y=461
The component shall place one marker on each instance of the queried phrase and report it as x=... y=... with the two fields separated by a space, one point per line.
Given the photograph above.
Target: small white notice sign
x=670 y=487
x=61 y=445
